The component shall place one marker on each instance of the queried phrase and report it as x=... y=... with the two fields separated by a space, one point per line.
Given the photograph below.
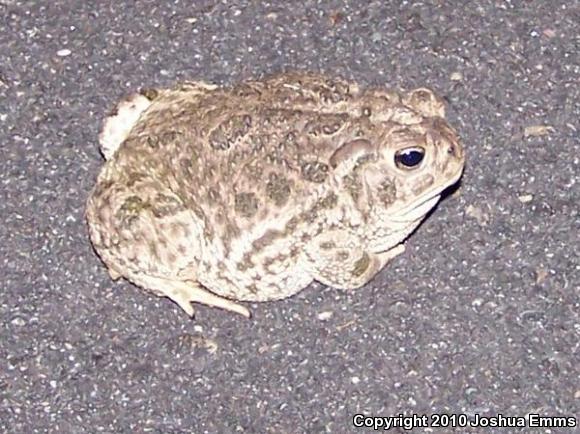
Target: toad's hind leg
x=145 y=233
x=120 y=121
x=186 y=292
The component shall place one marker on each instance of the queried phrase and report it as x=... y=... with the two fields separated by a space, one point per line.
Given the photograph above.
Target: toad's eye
x=409 y=158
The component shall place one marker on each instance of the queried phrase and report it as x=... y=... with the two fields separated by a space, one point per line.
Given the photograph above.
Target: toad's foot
x=186 y=292
x=119 y=123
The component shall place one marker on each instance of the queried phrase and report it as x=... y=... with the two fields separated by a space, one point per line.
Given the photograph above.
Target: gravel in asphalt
x=480 y=316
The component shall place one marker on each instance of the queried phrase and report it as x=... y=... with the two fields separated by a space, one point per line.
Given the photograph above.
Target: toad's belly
x=277 y=278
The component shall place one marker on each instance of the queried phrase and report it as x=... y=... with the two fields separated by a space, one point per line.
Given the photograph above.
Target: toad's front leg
x=339 y=259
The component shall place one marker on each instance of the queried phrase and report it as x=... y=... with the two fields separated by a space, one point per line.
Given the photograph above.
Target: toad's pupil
x=409 y=157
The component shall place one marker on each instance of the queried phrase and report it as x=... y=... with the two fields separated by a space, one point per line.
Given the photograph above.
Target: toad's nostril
x=451 y=150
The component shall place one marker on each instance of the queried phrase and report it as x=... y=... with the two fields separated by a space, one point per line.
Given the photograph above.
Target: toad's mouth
x=415 y=211
x=420 y=207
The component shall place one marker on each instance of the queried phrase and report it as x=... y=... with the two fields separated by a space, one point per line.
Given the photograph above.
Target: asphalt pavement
x=479 y=317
